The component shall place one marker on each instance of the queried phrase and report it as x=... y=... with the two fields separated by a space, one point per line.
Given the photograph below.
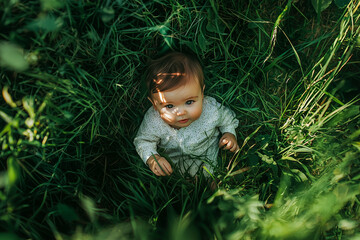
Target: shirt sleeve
x=227 y=121
x=147 y=137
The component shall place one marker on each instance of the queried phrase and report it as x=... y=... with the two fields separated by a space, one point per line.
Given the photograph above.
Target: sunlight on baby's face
x=181 y=106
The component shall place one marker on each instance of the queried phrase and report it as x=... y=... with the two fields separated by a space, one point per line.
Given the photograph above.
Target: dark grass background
x=71 y=78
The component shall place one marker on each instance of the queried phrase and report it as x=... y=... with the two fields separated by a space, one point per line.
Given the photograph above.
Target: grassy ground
x=71 y=79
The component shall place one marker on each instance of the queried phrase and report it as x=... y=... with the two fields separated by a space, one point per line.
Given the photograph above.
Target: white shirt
x=199 y=139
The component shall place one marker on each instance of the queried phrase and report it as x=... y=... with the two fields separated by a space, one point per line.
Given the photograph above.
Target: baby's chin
x=183 y=125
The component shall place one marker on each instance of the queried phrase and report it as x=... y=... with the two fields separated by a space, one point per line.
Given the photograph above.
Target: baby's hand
x=229 y=140
x=165 y=168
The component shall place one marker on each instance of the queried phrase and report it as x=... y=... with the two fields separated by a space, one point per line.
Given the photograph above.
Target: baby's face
x=181 y=106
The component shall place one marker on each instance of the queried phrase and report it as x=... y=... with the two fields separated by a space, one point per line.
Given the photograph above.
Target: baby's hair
x=173 y=70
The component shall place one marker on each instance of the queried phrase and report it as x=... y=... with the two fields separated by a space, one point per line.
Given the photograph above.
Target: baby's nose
x=180 y=111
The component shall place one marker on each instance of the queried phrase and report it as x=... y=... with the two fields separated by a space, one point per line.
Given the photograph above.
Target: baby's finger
x=229 y=145
x=166 y=168
x=234 y=148
x=156 y=172
x=161 y=171
x=223 y=142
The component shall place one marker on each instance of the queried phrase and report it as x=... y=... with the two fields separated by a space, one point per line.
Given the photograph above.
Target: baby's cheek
x=196 y=113
x=167 y=117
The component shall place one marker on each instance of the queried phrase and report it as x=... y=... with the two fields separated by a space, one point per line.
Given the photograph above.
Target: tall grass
x=71 y=79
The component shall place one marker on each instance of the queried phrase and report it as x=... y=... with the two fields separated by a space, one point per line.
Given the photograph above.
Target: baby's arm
x=228 y=124
x=146 y=141
x=160 y=166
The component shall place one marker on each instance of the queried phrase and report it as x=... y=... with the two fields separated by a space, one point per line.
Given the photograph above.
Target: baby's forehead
x=191 y=86
x=183 y=88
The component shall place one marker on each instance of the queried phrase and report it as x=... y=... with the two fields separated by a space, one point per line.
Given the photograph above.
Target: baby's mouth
x=183 y=121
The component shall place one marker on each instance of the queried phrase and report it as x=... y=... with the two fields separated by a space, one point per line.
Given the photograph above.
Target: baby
x=182 y=122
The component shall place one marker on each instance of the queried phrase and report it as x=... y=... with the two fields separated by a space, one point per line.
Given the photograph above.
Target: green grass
x=71 y=78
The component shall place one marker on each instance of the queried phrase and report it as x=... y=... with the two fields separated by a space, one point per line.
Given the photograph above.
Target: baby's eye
x=169 y=106
x=189 y=102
